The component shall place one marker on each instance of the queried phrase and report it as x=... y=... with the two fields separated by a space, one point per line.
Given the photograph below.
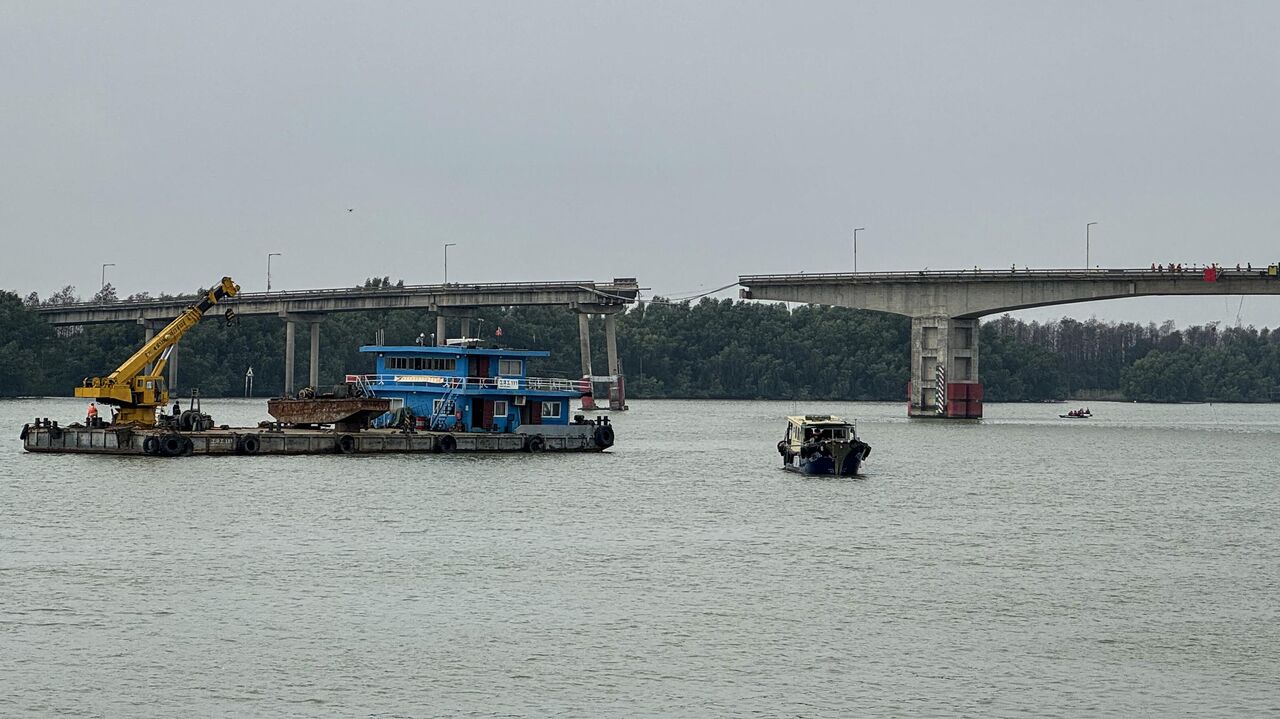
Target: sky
x=680 y=143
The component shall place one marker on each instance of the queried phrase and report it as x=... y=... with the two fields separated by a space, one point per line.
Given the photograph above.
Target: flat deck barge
x=158 y=442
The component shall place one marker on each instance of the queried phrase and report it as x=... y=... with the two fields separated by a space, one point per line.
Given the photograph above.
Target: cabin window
x=444 y=364
x=551 y=409
x=499 y=408
x=509 y=366
x=438 y=407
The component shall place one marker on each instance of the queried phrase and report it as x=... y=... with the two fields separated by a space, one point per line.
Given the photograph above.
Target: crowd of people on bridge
x=1177 y=267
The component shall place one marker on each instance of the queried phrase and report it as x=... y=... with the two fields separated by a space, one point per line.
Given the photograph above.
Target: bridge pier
x=467 y=316
x=289 y=335
x=944 y=368
x=584 y=346
x=617 y=393
x=314 y=375
x=290 y=348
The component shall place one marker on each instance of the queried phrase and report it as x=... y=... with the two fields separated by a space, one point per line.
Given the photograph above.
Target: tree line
x=719 y=349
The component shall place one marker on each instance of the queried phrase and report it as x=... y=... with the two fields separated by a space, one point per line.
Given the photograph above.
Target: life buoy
x=535 y=443
x=346 y=444
x=603 y=436
x=151 y=445
x=248 y=444
x=446 y=444
x=171 y=445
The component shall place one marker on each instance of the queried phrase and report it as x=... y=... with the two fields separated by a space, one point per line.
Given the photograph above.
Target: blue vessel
x=822 y=444
x=462 y=387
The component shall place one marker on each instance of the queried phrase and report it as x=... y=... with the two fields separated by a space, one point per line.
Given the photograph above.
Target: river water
x=1019 y=566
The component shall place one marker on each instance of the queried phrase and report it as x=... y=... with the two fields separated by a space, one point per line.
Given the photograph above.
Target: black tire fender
x=603 y=436
x=446 y=444
x=534 y=443
x=171 y=445
x=26 y=429
x=188 y=447
x=782 y=447
x=248 y=444
x=346 y=444
x=151 y=445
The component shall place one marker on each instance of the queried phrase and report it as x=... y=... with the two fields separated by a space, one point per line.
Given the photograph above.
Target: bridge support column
x=291 y=320
x=617 y=393
x=441 y=330
x=944 y=368
x=314 y=375
x=584 y=346
x=290 y=333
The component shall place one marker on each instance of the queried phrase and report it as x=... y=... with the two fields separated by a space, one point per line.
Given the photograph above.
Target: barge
x=455 y=398
x=45 y=436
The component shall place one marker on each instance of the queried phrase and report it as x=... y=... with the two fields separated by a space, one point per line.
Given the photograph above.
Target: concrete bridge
x=448 y=301
x=945 y=306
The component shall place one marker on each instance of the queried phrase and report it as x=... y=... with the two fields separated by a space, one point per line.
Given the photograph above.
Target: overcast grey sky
x=681 y=143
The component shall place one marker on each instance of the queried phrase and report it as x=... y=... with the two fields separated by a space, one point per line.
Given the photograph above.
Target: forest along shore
x=712 y=349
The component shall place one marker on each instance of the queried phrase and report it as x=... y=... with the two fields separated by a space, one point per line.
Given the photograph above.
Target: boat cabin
x=466 y=388
x=802 y=429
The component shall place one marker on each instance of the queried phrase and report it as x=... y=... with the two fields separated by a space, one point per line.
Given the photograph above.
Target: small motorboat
x=822 y=444
x=1077 y=414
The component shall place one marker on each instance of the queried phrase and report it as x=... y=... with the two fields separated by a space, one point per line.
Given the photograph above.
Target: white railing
x=374 y=382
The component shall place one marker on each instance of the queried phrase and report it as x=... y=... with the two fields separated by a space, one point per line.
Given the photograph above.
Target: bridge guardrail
x=452 y=287
x=1080 y=273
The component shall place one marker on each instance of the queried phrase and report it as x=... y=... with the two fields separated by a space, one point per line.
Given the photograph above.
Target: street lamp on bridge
x=1086 y=245
x=269 y=256
x=105 y=265
x=447 y=245
x=856 y=230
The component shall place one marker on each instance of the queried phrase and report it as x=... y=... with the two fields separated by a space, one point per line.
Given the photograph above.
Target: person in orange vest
x=92 y=417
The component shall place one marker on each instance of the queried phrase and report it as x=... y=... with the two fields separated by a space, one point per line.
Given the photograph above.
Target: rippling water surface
x=1020 y=566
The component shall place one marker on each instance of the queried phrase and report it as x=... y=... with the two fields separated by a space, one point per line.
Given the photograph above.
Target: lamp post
x=1086 y=245
x=856 y=230
x=447 y=245
x=269 y=256
x=105 y=265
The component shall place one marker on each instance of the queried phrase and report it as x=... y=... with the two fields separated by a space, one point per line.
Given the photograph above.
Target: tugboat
x=822 y=444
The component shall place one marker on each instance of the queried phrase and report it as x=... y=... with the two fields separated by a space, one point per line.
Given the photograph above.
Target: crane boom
x=137 y=392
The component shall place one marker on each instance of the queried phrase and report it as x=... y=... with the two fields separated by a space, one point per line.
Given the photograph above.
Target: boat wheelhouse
x=466 y=388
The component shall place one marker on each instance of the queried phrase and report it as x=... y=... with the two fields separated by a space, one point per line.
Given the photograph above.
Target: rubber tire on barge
x=446 y=444
x=248 y=444
x=603 y=436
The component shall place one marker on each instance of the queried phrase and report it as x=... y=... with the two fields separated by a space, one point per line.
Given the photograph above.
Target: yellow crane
x=137 y=392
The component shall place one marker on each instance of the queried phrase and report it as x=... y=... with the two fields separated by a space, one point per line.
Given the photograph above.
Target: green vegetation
x=709 y=349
